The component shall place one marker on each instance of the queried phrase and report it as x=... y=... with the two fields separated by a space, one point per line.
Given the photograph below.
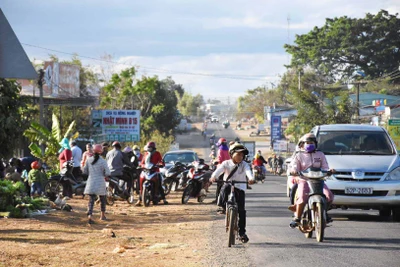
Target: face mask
x=309 y=147
x=137 y=153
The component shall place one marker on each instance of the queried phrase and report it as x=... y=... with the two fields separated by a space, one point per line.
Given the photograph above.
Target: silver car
x=367 y=167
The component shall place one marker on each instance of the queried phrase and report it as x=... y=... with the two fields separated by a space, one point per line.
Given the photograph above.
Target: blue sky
x=201 y=37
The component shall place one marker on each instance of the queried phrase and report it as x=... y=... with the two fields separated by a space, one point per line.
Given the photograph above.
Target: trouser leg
x=242 y=211
x=92 y=199
x=103 y=203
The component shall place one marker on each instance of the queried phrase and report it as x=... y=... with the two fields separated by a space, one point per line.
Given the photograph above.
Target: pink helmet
x=97 y=148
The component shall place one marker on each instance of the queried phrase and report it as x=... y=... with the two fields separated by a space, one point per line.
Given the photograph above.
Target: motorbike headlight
x=393 y=175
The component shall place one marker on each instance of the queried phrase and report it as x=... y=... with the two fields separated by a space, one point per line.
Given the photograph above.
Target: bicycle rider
x=241 y=169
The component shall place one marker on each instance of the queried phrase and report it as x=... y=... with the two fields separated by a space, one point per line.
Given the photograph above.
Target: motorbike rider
x=222 y=155
x=260 y=161
x=276 y=163
x=115 y=161
x=241 y=170
x=137 y=158
x=307 y=157
x=155 y=157
x=212 y=140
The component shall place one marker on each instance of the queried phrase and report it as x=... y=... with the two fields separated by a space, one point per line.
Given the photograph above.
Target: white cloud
x=197 y=74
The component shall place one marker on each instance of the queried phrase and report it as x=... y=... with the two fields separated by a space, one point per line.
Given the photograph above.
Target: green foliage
x=344 y=45
x=188 y=104
x=333 y=105
x=156 y=99
x=12 y=108
x=40 y=135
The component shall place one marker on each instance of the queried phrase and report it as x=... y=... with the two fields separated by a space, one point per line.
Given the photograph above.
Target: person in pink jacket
x=222 y=155
x=223 y=151
x=307 y=157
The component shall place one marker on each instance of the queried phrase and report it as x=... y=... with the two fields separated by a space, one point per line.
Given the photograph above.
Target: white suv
x=367 y=167
x=214 y=119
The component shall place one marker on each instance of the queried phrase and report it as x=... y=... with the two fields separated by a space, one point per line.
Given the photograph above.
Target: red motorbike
x=149 y=184
x=197 y=182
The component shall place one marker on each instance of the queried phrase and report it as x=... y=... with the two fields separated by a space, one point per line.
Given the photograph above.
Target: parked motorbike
x=64 y=183
x=172 y=177
x=150 y=188
x=184 y=177
x=314 y=216
x=118 y=188
x=258 y=174
x=197 y=181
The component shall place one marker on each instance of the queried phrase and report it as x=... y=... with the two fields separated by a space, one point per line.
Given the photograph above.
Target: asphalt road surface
x=355 y=238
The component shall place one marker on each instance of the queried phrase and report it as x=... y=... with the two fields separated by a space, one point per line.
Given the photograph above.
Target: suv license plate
x=358 y=191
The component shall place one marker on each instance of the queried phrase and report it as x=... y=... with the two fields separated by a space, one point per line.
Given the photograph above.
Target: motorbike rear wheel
x=146 y=198
x=109 y=196
x=52 y=189
x=168 y=186
x=232 y=213
x=131 y=198
x=319 y=222
x=186 y=193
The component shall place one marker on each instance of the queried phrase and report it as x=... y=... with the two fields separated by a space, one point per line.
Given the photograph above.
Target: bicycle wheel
x=320 y=222
x=232 y=226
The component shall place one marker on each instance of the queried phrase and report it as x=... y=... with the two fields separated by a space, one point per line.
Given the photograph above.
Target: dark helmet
x=238 y=147
x=310 y=137
x=151 y=144
x=13 y=161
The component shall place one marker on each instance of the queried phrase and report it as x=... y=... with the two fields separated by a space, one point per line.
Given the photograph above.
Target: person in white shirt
x=77 y=158
x=240 y=169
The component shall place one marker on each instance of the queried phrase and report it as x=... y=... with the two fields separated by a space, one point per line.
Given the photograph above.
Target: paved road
x=356 y=238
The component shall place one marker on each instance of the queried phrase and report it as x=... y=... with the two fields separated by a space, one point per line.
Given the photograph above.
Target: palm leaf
x=36 y=151
x=71 y=126
x=74 y=136
x=55 y=128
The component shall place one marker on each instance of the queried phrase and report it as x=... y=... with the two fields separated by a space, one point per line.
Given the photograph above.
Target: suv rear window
x=181 y=157
x=354 y=143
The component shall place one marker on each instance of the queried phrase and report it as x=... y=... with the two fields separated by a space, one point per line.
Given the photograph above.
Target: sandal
x=292 y=208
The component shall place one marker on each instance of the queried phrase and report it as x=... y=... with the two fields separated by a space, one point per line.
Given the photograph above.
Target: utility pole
x=358 y=101
x=41 y=105
x=299 y=80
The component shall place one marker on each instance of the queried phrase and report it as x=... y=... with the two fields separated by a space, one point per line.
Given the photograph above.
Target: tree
x=345 y=45
x=155 y=99
x=40 y=135
x=12 y=109
x=188 y=105
x=255 y=99
x=316 y=103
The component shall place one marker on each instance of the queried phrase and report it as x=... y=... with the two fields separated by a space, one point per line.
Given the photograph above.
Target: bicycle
x=231 y=216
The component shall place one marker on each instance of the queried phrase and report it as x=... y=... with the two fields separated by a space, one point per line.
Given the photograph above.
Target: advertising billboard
x=118 y=125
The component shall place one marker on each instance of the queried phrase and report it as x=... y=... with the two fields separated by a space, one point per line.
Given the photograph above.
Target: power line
x=158 y=70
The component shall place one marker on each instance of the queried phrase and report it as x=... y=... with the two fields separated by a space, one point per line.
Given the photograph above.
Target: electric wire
x=158 y=70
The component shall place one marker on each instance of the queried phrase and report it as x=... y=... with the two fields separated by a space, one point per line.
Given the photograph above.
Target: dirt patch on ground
x=170 y=235
x=153 y=236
